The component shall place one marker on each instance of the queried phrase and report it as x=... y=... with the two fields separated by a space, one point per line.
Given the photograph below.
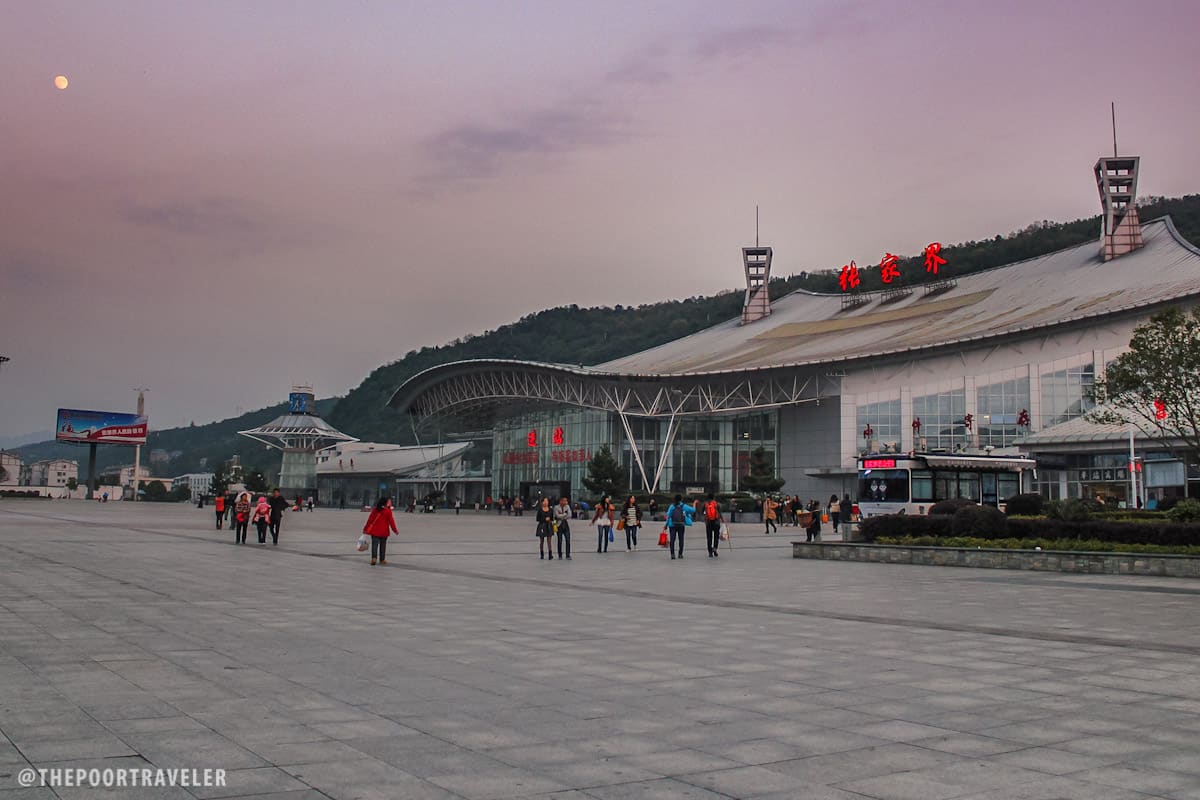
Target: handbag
x=663 y=539
x=363 y=543
x=621 y=524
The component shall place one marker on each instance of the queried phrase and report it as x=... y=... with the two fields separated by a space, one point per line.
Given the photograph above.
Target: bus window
x=1009 y=484
x=922 y=486
x=883 y=485
x=945 y=485
x=968 y=486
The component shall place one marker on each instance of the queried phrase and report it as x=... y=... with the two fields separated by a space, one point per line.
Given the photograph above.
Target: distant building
x=199 y=483
x=53 y=472
x=10 y=469
x=159 y=456
x=359 y=472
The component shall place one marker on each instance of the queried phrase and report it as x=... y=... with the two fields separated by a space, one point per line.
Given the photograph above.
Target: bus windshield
x=883 y=485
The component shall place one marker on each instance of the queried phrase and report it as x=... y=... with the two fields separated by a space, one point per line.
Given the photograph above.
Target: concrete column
x=906 y=417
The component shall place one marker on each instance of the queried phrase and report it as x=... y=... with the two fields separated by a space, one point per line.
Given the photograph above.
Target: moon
x=61 y=81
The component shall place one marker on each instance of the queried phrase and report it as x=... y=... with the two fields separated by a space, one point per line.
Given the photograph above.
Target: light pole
x=137 y=452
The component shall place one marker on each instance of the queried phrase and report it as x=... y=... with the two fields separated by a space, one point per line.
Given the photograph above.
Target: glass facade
x=1000 y=405
x=883 y=418
x=941 y=417
x=554 y=447
x=1067 y=394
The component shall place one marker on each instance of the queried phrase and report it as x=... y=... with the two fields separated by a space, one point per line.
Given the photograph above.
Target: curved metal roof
x=807 y=331
x=303 y=431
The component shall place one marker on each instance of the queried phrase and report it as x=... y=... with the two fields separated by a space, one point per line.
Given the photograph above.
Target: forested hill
x=573 y=335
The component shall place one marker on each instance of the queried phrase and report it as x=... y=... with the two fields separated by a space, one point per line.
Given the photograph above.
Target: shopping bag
x=825 y=518
x=663 y=539
x=611 y=537
x=364 y=542
x=620 y=524
x=724 y=532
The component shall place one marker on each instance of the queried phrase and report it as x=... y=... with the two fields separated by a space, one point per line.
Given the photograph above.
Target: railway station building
x=995 y=361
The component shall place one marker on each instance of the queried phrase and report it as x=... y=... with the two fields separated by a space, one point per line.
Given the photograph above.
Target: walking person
x=219 y=507
x=769 y=507
x=545 y=529
x=712 y=524
x=457 y=506
x=679 y=517
x=603 y=520
x=835 y=512
x=380 y=525
x=562 y=525
x=279 y=504
x=631 y=520
x=262 y=518
x=813 y=533
x=241 y=517
x=652 y=508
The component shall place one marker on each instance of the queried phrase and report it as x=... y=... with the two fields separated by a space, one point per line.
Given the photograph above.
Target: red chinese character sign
x=932 y=259
x=531 y=438
x=889 y=268
x=868 y=431
x=849 y=278
x=1023 y=418
x=916 y=426
x=969 y=421
x=558 y=436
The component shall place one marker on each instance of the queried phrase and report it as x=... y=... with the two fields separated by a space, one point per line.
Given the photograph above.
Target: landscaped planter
x=1038 y=560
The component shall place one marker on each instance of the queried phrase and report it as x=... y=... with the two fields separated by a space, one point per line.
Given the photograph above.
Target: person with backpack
x=603 y=520
x=631 y=519
x=679 y=517
x=712 y=524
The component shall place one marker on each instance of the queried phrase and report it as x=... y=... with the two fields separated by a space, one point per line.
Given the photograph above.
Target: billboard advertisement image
x=99 y=427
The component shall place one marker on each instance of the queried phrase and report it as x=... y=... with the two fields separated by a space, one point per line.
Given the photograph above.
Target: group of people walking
x=266 y=514
x=554 y=522
x=807 y=515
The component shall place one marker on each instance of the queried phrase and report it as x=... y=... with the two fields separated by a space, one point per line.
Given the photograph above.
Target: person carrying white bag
x=380 y=525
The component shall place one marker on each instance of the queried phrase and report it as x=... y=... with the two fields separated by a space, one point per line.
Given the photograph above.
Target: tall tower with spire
x=757 y=261
x=1116 y=180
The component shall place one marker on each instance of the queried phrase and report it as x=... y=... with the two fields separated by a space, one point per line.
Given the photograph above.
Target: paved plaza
x=138 y=636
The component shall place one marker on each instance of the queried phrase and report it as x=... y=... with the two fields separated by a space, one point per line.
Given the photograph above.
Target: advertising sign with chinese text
x=99 y=427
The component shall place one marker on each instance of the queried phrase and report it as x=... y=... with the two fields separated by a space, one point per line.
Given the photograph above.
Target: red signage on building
x=932 y=259
x=558 y=436
x=848 y=278
x=878 y=463
x=889 y=268
x=531 y=438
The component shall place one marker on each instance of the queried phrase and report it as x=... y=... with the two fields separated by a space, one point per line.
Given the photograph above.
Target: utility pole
x=137 y=451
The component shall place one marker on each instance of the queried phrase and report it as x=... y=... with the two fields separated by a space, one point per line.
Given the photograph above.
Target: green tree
x=220 y=481
x=155 y=491
x=1155 y=385
x=181 y=494
x=761 y=477
x=605 y=476
x=255 y=482
x=72 y=485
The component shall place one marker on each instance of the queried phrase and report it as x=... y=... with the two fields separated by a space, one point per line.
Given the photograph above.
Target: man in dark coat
x=279 y=504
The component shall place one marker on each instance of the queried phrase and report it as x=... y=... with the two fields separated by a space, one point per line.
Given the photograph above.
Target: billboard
x=99 y=427
x=298 y=403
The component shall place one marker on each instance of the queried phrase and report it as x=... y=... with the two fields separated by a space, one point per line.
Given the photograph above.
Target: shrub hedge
x=950 y=507
x=1127 y=532
x=1062 y=545
x=1024 y=505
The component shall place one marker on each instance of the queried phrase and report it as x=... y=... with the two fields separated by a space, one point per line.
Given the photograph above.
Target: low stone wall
x=1038 y=560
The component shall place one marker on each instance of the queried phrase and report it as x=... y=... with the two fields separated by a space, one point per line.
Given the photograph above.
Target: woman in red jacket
x=379 y=526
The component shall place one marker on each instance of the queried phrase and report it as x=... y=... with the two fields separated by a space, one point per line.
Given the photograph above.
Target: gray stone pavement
x=468 y=668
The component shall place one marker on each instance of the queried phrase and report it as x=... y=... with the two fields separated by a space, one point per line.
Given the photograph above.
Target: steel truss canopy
x=298 y=432
x=488 y=388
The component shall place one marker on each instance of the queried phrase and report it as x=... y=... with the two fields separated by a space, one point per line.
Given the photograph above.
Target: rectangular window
x=883 y=485
x=922 y=485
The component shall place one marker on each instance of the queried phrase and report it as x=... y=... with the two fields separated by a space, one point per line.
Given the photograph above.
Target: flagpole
x=1132 y=503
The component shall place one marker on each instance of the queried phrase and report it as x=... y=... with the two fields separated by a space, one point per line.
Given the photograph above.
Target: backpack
x=710 y=510
x=677 y=517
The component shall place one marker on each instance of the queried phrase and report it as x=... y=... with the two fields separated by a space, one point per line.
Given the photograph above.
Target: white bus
x=910 y=484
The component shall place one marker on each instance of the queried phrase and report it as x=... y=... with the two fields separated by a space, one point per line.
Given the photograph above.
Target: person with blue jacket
x=679 y=517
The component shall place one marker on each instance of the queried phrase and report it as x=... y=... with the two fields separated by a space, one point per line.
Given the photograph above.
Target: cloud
x=212 y=216
x=740 y=43
x=476 y=151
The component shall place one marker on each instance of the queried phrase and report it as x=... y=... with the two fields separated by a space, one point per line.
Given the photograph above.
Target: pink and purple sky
x=232 y=197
